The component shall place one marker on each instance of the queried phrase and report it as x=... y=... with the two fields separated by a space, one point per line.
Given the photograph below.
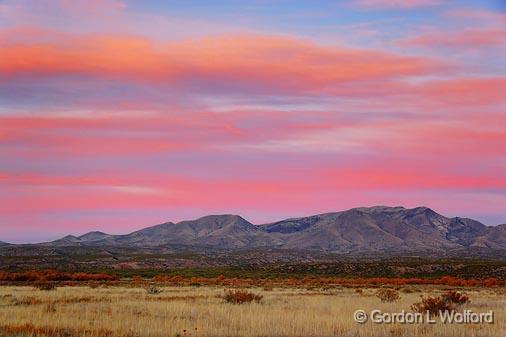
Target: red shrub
x=432 y=305
x=455 y=297
x=240 y=297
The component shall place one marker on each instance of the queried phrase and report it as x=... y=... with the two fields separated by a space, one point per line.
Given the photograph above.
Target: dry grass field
x=126 y=311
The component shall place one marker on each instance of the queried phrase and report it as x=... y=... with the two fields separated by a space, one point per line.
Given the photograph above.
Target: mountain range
x=378 y=229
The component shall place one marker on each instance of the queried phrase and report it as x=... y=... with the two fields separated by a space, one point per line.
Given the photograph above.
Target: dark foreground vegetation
x=266 y=266
x=43 y=279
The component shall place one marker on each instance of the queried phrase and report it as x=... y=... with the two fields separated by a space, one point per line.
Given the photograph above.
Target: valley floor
x=125 y=311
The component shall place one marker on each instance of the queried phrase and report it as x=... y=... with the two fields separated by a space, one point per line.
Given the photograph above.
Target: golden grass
x=199 y=311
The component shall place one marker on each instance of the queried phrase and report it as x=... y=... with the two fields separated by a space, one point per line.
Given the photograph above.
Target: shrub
x=387 y=295
x=455 y=297
x=241 y=296
x=490 y=282
x=136 y=280
x=152 y=290
x=44 y=285
x=432 y=305
x=448 y=301
x=91 y=277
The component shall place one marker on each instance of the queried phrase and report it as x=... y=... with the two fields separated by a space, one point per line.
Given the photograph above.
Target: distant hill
x=378 y=229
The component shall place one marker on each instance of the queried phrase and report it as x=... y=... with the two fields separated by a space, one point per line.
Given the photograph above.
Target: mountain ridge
x=358 y=230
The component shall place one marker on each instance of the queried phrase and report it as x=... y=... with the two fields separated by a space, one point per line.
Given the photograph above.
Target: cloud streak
x=258 y=61
x=464 y=39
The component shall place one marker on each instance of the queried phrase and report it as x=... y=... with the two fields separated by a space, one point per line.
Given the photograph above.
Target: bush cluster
x=53 y=275
x=434 y=305
x=387 y=295
x=241 y=296
x=320 y=281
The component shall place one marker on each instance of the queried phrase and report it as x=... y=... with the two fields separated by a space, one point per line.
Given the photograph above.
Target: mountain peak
x=66 y=240
x=380 y=208
x=223 y=217
x=423 y=209
x=94 y=235
x=70 y=238
x=218 y=221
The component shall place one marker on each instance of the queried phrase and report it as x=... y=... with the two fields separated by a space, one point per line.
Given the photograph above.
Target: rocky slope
x=359 y=230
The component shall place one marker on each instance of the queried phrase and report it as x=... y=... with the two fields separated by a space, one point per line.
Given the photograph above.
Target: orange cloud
x=277 y=62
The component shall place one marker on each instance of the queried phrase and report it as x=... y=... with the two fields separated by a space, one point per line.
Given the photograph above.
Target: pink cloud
x=467 y=38
x=466 y=91
x=38 y=193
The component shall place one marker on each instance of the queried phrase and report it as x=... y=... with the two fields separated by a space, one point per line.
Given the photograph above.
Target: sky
x=117 y=115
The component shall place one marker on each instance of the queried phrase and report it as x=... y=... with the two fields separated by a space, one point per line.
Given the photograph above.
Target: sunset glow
x=117 y=115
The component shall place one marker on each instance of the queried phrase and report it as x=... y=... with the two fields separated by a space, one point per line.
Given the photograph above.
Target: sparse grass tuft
x=153 y=290
x=50 y=307
x=44 y=285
